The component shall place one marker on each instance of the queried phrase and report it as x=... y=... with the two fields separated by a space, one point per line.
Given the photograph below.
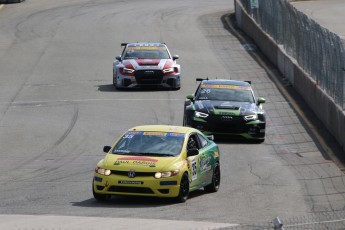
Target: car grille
x=148 y=77
x=126 y=189
x=227 y=124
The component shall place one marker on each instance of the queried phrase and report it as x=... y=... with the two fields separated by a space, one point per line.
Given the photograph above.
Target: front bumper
x=156 y=80
x=237 y=126
x=138 y=186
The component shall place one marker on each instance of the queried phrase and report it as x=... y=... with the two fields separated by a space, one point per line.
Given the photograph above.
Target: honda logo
x=131 y=173
x=226 y=118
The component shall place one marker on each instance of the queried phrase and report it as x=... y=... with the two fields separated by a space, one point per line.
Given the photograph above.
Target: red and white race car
x=146 y=65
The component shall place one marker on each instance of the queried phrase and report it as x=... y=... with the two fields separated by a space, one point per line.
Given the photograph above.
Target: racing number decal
x=194 y=173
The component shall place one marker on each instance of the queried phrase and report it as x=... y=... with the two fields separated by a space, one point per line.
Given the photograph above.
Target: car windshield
x=150 y=143
x=146 y=52
x=225 y=93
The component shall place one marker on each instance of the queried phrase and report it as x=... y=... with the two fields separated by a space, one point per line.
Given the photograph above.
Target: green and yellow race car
x=158 y=160
x=226 y=108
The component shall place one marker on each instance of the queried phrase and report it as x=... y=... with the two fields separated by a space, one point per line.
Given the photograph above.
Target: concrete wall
x=332 y=115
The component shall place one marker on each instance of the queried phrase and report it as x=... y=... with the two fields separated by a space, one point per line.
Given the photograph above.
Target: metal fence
x=318 y=51
x=318 y=221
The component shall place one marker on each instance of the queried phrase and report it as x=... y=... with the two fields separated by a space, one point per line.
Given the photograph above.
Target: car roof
x=225 y=82
x=163 y=128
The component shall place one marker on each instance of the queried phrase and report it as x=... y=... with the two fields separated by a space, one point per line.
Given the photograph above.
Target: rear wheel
x=184 y=189
x=214 y=186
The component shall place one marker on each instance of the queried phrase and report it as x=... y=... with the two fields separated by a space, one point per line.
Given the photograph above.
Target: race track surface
x=58 y=109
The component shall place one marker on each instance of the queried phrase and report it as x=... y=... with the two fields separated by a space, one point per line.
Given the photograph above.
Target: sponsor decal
x=155 y=133
x=146 y=48
x=118 y=162
x=194 y=172
x=130 y=182
x=227 y=113
x=168 y=183
x=137 y=160
x=216 y=154
x=199 y=104
x=204 y=163
x=210 y=86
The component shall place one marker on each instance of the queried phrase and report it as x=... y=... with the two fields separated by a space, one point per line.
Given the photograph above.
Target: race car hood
x=225 y=107
x=149 y=63
x=138 y=163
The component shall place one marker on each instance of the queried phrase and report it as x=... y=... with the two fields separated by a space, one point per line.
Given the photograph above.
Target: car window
x=146 y=143
x=224 y=94
x=193 y=142
x=147 y=53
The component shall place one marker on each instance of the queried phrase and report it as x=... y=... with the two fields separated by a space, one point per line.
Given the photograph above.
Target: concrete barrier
x=324 y=107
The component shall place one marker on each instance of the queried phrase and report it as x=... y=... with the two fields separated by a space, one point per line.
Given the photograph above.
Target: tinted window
x=225 y=93
x=150 y=142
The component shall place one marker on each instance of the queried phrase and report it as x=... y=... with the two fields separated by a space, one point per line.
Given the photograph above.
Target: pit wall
x=324 y=107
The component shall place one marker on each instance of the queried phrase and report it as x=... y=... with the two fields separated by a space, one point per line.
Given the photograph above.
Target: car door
x=206 y=160
x=193 y=162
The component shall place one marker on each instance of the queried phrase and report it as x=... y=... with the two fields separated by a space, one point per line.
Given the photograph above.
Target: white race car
x=146 y=65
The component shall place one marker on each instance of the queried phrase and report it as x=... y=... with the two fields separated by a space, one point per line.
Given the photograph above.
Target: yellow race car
x=158 y=160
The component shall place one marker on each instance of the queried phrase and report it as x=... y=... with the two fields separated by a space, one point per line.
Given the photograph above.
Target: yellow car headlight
x=102 y=171
x=166 y=174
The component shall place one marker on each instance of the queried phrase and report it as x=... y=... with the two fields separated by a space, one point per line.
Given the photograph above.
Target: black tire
x=184 y=189
x=99 y=197
x=214 y=186
x=115 y=82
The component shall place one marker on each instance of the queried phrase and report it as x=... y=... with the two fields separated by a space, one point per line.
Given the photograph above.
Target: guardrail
x=308 y=55
x=317 y=51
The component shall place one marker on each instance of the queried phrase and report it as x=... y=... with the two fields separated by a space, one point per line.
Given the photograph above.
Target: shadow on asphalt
x=134 y=201
x=111 y=88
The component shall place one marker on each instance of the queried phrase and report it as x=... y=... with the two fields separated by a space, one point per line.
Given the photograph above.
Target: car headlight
x=102 y=171
x=251 y=117
x=200 y=114
x=166 y=174
x=168 y=70
x=126 y=70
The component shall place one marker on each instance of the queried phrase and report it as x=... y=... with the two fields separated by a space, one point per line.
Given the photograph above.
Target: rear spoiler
x=201 y=79
x=124 y=43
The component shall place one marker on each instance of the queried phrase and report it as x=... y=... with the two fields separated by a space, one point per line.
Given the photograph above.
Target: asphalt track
x=58 y=108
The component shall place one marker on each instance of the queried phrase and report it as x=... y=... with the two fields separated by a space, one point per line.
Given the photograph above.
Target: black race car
x=226 y=107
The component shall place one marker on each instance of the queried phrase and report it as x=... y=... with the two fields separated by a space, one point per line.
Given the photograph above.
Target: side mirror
x=190 y=97
x=106 y=148
x=192 y=152
x=118 y=58
x=210 y=137
x=175 y=57
x=261 y=100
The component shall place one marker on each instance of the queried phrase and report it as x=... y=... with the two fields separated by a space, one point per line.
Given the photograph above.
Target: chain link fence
x=318 y=51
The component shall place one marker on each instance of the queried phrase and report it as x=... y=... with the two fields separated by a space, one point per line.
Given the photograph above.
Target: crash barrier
x=319 y=221
x=309 y=56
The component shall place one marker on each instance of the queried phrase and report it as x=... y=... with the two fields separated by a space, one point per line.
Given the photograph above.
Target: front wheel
x=214 y=186
x=184 y=189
